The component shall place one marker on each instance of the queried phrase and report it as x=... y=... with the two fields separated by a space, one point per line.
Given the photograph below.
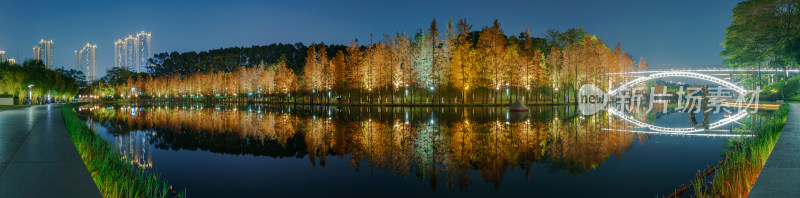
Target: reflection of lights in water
x=427 y=147
x=639 y=123
x=686 y=134
x=135 y=148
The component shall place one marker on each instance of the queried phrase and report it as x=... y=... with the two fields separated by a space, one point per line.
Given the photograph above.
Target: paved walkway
x=38 y=158
x=781 y=174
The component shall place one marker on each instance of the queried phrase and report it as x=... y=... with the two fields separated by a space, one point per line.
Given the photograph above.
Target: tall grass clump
x=113 y=175
x=744 y=159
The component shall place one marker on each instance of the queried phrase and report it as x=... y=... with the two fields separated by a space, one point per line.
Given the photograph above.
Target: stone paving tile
x=781 y=174
x=38 y=158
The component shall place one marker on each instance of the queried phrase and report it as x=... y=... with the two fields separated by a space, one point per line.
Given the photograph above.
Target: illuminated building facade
x=133 y=52
x=86 y=61
x=119 y=53
x=44 y=52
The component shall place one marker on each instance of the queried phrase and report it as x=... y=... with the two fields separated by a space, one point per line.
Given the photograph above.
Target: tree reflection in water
x=432 y=143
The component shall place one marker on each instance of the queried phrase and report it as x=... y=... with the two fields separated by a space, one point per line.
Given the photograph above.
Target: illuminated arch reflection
x=695 y=131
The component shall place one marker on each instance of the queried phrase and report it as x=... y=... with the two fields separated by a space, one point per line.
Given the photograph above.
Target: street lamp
x=556 y=94
x=30 y=94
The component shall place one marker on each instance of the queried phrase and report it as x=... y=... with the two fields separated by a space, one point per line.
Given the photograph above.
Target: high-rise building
x=130 y=53
x=2 y=55
x=143 y=49
x=133 y=52
x=11 y=60
x=86 y=61
x=44 y=52
x=119 y=53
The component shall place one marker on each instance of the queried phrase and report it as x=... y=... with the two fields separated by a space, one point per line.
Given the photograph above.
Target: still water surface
x=278 y=151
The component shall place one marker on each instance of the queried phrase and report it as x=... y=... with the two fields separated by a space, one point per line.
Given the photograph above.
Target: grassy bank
x=114 y=176
x=744 y=159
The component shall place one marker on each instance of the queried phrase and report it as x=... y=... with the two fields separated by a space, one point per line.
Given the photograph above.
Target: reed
x=744 y=159
x=112 y=173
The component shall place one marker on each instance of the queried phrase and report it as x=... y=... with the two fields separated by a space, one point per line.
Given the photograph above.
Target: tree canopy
x=15 y=79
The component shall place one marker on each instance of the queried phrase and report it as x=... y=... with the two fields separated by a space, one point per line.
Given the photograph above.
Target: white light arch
x=708 y=78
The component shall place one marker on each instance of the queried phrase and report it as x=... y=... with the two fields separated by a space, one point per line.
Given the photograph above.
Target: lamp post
x=30 y=94
x=431 y=94
x=405 y=98
x=508 y=94
x=556 y=94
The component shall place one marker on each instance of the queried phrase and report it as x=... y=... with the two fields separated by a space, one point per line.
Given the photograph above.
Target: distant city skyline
x=679 y=32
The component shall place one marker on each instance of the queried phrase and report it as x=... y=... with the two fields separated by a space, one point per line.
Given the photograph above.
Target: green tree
x=763 y=33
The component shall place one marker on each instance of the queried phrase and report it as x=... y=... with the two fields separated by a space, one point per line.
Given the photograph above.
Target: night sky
x=680 y=32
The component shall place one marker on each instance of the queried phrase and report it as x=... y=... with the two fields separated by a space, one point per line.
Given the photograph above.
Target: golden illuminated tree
x=570 y=67
x=462 y=71
x=374 y=67
x=520 y=66
x=285 y=79
x=438 y=69
x=643 y=65
x=340 y=77
x=399 y=58
x=492 y=45
x=620 y=62
x=354 y=62
x=266 y=79
x=327 y=73
x=554 y=64
x=593 y=62
x=313 y=72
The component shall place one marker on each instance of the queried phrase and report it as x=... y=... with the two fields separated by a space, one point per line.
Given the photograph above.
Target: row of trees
x=262 y=78
x=455 y=62
x=47 y=84
x=228 y=59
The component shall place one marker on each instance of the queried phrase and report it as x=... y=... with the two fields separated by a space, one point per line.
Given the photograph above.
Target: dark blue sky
x=676 y=32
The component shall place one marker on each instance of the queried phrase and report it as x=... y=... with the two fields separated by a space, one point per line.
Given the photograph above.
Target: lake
x=277 y=151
